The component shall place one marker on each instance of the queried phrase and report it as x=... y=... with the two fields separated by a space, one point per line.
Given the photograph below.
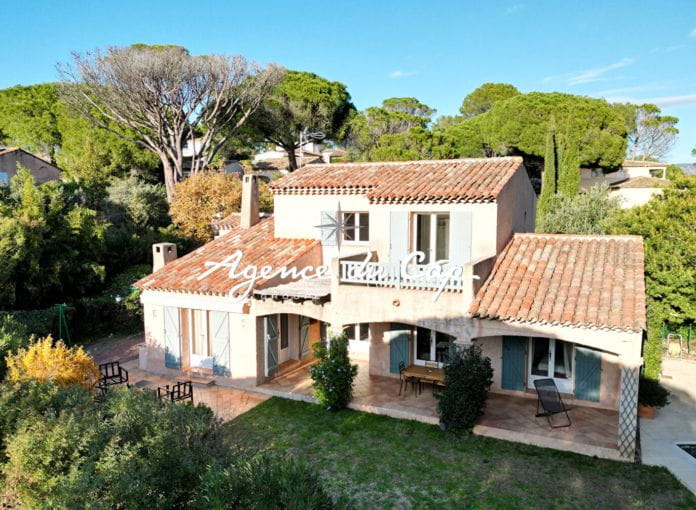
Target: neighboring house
x=276 y=160
x=229 y=166
x=11 y=157
x=636 y=183
x=571 y=308
x=639 y=168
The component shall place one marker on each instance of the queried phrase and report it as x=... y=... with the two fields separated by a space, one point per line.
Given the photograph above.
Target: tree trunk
x=292 y=160
x=169 y=177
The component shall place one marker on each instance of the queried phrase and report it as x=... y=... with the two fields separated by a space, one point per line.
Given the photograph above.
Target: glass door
x=550 y=358
x=432 y=236
x=431 y=346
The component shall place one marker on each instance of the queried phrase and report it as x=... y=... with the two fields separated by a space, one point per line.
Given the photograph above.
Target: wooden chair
x=433 y=382
x=550 y=400
x=405 y=380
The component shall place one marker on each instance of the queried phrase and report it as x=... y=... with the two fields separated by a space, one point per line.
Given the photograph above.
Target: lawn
x=380 y=462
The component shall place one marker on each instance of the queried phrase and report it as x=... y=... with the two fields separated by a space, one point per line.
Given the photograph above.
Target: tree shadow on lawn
x=377 y=461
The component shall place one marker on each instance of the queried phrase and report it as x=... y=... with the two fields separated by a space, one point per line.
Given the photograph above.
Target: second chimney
x=250 y=201
x=162 y=254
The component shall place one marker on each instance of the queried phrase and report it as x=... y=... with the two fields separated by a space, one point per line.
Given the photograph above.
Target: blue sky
x=437 y=51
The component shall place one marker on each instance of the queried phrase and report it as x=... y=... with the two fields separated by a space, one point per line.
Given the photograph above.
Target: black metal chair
x=178 y=392
x=550 y=401
x=405 y=380
x=112 y=373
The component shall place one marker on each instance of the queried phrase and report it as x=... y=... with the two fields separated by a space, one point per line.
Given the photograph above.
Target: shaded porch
x=593 y=432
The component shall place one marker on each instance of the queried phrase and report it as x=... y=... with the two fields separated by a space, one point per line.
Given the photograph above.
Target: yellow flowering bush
x=45 y=360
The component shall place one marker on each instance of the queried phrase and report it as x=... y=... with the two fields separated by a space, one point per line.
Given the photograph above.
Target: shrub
x=652 y=393
x=468 y=377
x=333 y=374
x=132 y=451
x=45 y=361
x=262 y=482
x=13 y=336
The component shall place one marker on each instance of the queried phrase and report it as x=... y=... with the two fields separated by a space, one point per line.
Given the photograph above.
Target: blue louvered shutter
x=271 y=344
x=328 y=224
x=398 y=236
x=398 y=346
x=588 y=373
x=513 y=368
x=460 y=238
x=172 y=338
x=220 y=329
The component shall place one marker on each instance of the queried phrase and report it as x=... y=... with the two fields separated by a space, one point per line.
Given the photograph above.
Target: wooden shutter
x=328 y=227
x=271 y=340
x=513 y=369
x=398 y=236
x=460 y=238
x=588 y=373
x=398 y=346
x=304 y=336
x=220 y=330
x=172 y=338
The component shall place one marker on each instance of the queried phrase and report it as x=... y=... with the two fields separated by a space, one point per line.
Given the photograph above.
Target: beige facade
x=261 y=323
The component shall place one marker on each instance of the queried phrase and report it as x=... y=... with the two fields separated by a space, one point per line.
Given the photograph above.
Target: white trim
x=188 y=300
x=564 y=385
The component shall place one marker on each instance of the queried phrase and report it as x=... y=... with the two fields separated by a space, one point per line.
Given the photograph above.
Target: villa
x=406 y=258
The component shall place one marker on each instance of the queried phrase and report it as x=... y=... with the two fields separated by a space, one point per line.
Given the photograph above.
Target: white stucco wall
x=633 y=197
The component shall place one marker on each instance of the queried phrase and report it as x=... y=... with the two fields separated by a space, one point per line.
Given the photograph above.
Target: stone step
x=196 y=381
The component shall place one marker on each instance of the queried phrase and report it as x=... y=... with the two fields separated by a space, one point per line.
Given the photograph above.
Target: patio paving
x=593 y=431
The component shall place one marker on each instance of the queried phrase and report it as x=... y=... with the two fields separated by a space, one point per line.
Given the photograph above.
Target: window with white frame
x=356 y=227
x=200 y=337
x=431 y=235
x=358 y=332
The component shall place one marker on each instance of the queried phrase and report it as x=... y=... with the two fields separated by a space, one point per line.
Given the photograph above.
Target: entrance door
x=553 y=359
x=513 y=363
x=271 y=343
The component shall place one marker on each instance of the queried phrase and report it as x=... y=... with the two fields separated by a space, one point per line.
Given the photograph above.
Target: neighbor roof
x=641 y=163
x=440 y=181
x=592 y=281
x=258 y=247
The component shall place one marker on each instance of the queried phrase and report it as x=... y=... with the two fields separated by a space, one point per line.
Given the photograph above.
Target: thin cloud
x=692 y=33
x=675 y=47
x=401 y=74
x=659 y=101
x=597 y=74
x=513 y=9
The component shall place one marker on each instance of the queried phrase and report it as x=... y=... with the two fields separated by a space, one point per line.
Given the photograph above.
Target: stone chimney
x=250 y=201
x=162 y=254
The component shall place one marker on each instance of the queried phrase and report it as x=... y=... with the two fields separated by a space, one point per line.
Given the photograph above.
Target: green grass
x=380 y=462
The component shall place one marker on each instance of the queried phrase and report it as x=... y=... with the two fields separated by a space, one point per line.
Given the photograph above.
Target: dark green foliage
x=468 y=377
x=483 y=98
x=549 y=177
x=568 y=168
x=131 y=452
x=262 y=482
x=667 y=226
x=520 y=125
x=13 y=335
x=584 y=213
x=333 y=373
x=301 y=101
x=51 y=246
x=652 y=393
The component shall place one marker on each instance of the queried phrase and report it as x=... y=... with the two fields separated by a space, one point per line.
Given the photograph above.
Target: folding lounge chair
x=550 y=401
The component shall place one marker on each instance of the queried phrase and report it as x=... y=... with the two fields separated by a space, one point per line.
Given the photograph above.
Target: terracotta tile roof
x=258 y=247
x=642 y=163
x=228 y=222
x=440 y=181
x=593 y=281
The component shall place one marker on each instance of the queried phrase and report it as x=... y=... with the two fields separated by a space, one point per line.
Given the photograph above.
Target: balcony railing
x=381 y=274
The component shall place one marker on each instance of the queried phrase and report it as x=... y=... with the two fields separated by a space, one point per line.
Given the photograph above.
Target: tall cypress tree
x=568 y=167
x=548 y=181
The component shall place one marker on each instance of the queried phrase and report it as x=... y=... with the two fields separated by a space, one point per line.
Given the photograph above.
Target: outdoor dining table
x=425 y=373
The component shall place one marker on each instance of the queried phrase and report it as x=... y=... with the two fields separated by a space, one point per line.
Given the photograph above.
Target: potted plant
x=651 y=395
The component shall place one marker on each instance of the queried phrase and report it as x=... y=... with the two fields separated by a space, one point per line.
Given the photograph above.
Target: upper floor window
x=432 y=235
x=356 y=226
